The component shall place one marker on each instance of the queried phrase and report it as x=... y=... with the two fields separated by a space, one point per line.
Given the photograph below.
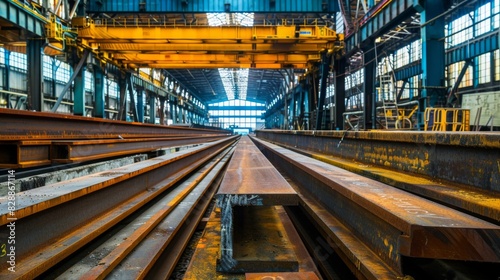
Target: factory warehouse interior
x=250 y=139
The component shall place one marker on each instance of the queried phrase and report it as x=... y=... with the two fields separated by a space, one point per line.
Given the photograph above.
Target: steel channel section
x=75 y=151
x=46 y=214
x=393 y=223
x=250 y=180
x=22 y=154
x=462 y=157
x=22 y=125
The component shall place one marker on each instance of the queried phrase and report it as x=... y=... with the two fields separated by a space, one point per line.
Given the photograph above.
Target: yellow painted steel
x=133 y=45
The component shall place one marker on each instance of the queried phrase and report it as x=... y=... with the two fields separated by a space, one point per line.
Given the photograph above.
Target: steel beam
x=23 y=16
x=250 y=180
x=85 y=150
x=433 y=92
x=35 y=72
x=214 y=6
x=99 y=92
x=339 y=68
x=76 y=71
x=23 y=125
x=23 y=154
x=391 y=222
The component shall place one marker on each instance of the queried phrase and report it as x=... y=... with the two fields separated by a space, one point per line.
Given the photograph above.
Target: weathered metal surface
x=58 y=174
x=69 y=214
x=390 y=221
x=83 y=150
x=203 y=262
x=482 y=203
x=22 y=154
x=467 y=158
x=25 y=125
x=250 y=180
x=307 y=275
x=147 y=235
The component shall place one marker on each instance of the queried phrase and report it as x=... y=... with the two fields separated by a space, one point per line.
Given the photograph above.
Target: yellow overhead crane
x=132 y=44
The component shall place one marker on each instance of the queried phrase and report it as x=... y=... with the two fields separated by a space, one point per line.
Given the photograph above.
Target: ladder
x=388 y=94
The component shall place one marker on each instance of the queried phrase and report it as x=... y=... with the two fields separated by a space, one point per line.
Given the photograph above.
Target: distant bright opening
x=235 y=81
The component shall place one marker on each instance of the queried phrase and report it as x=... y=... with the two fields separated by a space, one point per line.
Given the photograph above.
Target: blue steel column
x=6 y=72
x=79 y=93
x=432 y=54
x=339 y=68
x=325 y=68
x=99 y=92
x=368 y=98
x=140 y=104
x=122 y=111
x=35 y=70
x=152 y=107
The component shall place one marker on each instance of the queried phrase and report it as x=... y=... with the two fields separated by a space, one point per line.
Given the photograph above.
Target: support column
x=140 y=104
x=325 y=68
x=35 y=71
x=122 y=111
x=162 y=110
x=369 y=119
x=339 y=97
x=99 y=92
x=152 y=107
x=79 y=92
x=432 y=33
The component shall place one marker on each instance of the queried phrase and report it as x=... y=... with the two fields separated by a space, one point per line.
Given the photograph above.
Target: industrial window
x=89 y=82
x=460 y=30
x=496 y=14
x=18 y=60
x=2 y=56
x=497 y=64
x=402 y=57
x=47 y=66
x=483 y=23
x=454 y=71
x=484 y=67
x=63 y=73
x=415 y=51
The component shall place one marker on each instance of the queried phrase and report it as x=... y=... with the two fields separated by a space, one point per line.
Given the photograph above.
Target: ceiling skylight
x=235 y=81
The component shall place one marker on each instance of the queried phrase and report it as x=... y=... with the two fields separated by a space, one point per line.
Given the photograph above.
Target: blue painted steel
x=379 y=20
x=477 y=46
x=152 y=108
x=18 y=15
x=408 y=71
x=99 y=92
x=79 y=96
x=432 y=54
x=140 y=105
x=35 y=74
x=213 y=6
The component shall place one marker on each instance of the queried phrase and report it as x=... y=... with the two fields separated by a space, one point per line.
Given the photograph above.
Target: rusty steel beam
x=25 y=125
x=391 y=222
x=69 y=214
x=83 y=150
x=26 y=153
x=250 y=180
x=465 y=164
x=305 y=275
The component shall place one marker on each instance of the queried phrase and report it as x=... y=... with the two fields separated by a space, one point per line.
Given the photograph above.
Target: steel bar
x=138 y=264
x=391 y=222
x=456 y=151
x=250 y=180
x=69 y=214
x=23 y=125
x=466 y=158
x=22 y=154
x=82 y=150
x=159 y=218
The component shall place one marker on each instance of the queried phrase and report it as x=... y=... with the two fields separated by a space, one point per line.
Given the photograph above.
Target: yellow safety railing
x=447 y=119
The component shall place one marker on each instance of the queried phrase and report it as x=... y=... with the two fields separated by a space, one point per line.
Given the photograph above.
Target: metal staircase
x=387 y=93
